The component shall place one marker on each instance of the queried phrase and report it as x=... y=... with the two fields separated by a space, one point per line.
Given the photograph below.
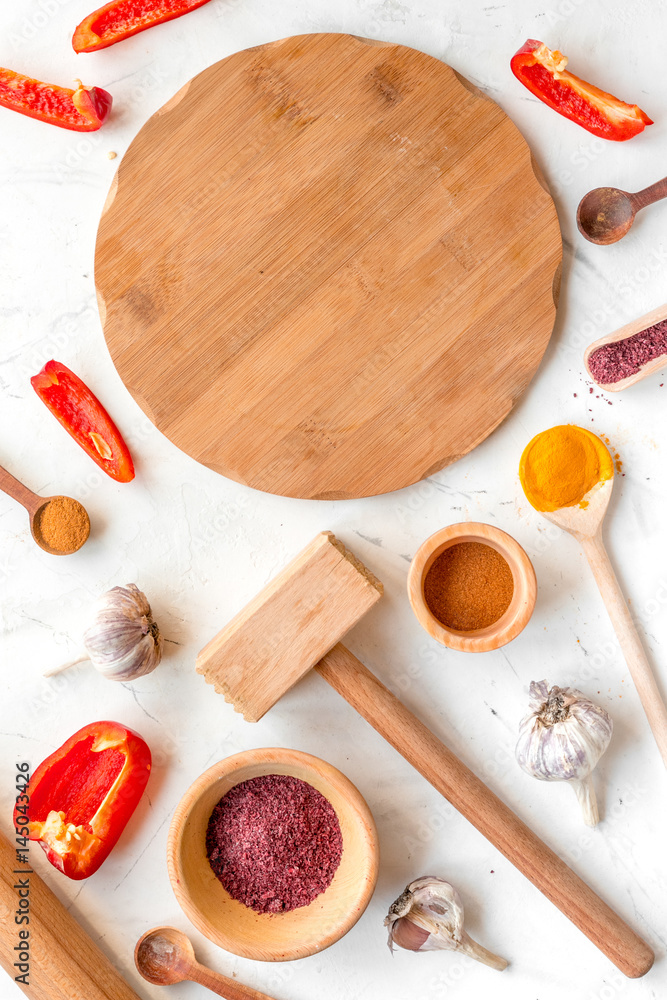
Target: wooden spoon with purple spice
x=165 y=956
x=608 y=358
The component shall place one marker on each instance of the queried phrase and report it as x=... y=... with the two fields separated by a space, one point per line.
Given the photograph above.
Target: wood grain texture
x=289 y=626
x=327 y=268
x=223 y=986
x=10 y=485
x=272 y=937
x=65 y=964
x=640 y=669
x=489 y=814
x=585 y=524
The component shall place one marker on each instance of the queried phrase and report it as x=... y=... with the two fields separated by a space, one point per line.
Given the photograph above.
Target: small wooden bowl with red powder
x=219 y=819
x=472 y=587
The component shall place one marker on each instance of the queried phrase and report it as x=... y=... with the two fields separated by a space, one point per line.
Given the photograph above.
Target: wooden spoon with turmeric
x=567 y=474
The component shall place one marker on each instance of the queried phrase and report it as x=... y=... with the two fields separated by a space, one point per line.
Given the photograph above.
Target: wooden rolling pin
x=64 y=963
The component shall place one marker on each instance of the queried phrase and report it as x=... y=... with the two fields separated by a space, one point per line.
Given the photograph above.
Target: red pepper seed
x=274 y=842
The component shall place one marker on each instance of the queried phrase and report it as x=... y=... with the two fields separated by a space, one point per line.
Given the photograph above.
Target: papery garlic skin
x=562 y=739
x=123 y=642
x=428 y=916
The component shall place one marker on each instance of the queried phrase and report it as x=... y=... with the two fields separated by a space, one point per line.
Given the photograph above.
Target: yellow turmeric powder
x=560 y=466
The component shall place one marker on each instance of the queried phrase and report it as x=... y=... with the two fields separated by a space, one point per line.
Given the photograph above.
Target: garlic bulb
x=428 y=916
x=123 y=642
x=562 y=739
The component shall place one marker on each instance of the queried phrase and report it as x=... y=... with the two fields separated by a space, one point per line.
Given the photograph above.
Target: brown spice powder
x=63 y=524
x=469 y=586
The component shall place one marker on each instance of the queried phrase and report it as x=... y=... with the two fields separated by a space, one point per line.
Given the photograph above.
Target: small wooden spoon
x=605 y=214
x=35 y=504
x=165 y=956
x=629 y=330
x=585 y=523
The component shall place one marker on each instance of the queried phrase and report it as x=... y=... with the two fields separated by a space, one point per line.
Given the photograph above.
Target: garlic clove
x=428 y=916
x=407 y=935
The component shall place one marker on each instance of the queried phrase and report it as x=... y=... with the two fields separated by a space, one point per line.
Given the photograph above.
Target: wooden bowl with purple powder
x=273 y=854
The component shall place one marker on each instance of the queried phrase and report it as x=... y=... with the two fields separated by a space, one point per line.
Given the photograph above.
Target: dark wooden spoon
x=165 y=956
x=605 y=214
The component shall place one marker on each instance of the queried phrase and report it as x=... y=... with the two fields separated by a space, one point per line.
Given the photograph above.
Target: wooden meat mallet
x=296 y=623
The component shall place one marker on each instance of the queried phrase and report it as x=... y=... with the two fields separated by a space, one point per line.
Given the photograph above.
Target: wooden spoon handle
x=15 y=489
x=486 y=811
x=223 y=986
x=628 y=639
x=654 y=192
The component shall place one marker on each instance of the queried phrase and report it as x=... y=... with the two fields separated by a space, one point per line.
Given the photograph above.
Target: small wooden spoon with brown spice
x=60 y=525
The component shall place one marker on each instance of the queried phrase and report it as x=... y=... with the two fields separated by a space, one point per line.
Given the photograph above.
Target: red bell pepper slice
x=81 y=796
x=543 y=73
x=83 y=416
x=82 y=110
x=121 y=18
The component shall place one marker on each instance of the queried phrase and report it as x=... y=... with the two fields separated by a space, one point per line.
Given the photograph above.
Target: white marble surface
x=201 y=546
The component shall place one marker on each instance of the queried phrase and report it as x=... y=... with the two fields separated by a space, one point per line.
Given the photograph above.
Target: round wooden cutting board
x=325 y=267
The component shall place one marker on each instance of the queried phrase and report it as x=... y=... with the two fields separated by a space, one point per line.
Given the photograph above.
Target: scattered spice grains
x=274 y=842
x=613 y=362
x=469 y=586
x=63 y=524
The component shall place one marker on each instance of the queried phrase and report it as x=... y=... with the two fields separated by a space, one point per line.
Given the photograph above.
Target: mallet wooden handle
x=485 y=811
x=65 y=964
x=628 y=639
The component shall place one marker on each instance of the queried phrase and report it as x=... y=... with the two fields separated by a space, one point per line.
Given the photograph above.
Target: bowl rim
x=285 y=758
x=511 y=623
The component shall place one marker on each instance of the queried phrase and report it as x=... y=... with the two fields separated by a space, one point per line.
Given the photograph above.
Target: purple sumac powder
x=613 y=362
x=274 y=842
